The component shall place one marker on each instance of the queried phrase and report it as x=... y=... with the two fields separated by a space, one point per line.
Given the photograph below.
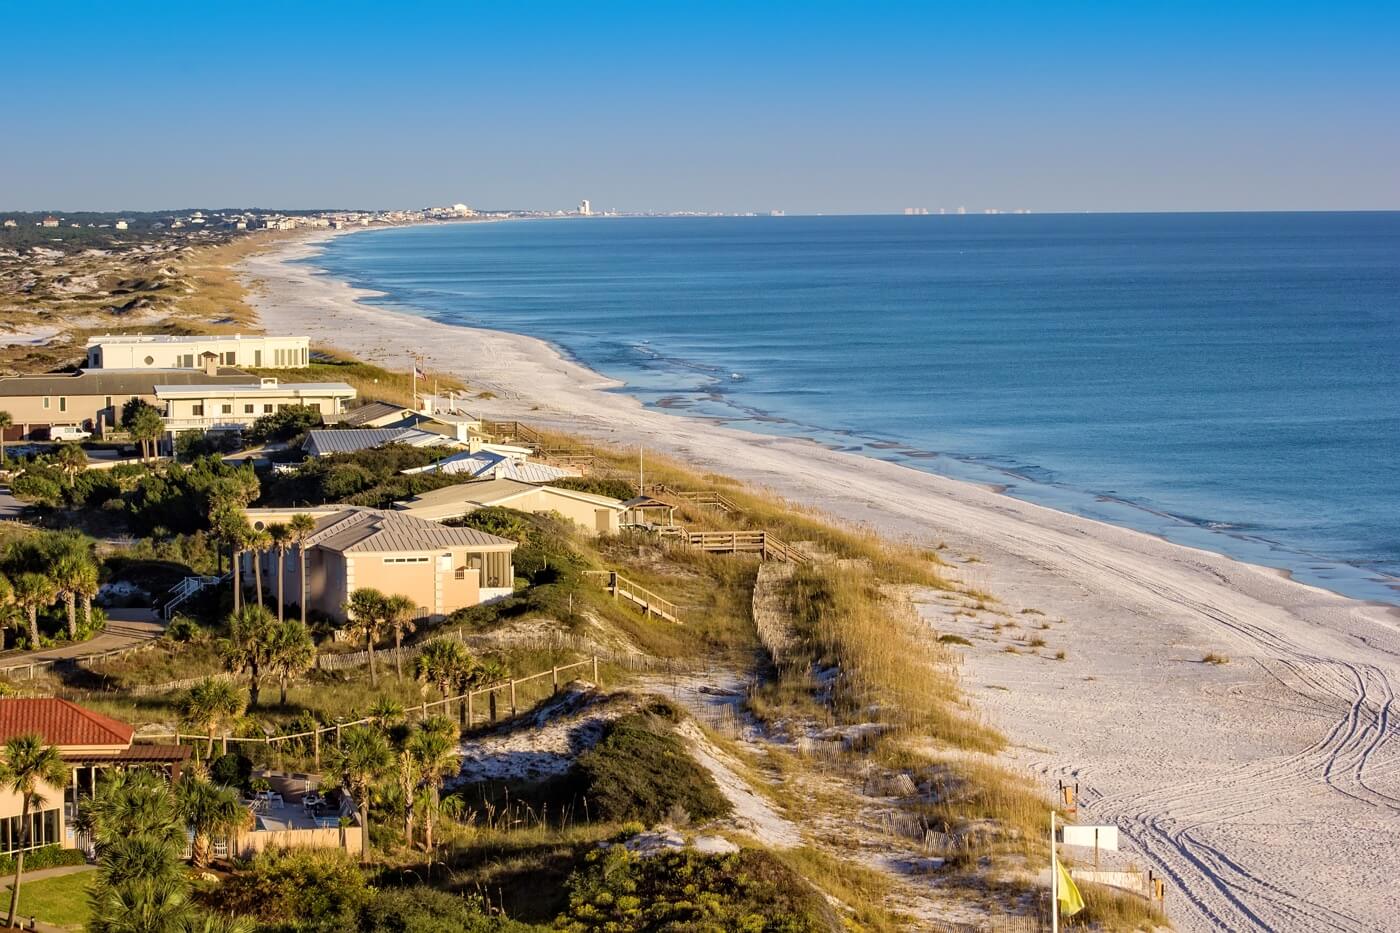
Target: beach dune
x=1266 y=789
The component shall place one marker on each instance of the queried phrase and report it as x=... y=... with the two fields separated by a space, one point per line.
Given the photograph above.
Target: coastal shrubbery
x=366 y=477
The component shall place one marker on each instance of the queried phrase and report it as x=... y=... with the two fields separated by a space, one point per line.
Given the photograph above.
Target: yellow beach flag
x=1067 y=892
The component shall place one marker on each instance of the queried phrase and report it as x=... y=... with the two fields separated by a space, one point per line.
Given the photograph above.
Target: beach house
x=440 y=569
x=166 y=351
x=593 y=513
x=322 y=442
x=224 y=406
x=89 y=743
x=91 y=399
x=494 y=461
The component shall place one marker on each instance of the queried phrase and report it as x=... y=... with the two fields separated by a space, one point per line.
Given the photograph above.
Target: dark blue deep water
x=1230 y=381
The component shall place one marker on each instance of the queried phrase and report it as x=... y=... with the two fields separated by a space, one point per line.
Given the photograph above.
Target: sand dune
x=1266 y=789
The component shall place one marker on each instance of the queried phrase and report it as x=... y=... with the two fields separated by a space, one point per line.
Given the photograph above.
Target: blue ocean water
x=1229 y=381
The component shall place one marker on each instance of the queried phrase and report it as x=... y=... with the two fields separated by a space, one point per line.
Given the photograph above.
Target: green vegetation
x=61 y=901
x=641 y=771
x=371 y=477
x=749 y=891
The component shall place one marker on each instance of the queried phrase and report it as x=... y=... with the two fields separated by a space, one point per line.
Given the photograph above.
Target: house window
x=226 y=409
x=150 y=361
x=62 y=403
x=248 y=409
x=314 y=406
x=187 y=361
x=405 y=560
x=109 y=402
x=43 y=831
x=460 y=573
x=197 y=411
x=267 y=409
x=257 y=357
x=46 y=401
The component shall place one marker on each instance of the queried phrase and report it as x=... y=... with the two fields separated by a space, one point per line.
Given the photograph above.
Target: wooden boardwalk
x=644 y=599
x=763 y=543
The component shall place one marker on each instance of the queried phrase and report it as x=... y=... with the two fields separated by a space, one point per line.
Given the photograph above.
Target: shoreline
x=1130 y=712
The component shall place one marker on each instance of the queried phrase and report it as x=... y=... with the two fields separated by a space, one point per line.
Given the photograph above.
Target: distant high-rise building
x=585 y=208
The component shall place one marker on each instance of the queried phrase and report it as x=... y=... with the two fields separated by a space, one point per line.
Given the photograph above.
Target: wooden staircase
x=514 y=432
x=639 y=596
x=705 y=498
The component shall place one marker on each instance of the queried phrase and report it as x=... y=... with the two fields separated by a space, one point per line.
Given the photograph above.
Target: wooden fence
x=466 y=701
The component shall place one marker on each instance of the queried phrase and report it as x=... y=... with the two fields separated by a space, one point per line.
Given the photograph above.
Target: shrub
x=1213 y=658
x=640 y=770
x=953 y=640
x=285 y=424
x=682 y=890
x=37 y=488
x=47 y=857
x=232 y=770
x=598 y=486
x=301 y=890
x=428 y=910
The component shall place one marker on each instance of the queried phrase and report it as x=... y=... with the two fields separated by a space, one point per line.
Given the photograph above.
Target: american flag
x=418 y=372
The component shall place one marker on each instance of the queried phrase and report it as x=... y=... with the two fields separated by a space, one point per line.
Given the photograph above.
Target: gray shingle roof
x=371 y=412
x=115 y=382
x=360 y=529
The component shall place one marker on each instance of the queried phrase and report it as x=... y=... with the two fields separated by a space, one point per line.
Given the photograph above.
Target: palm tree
x=398 y=617
x=142 y=906
x=72 y=571
x=231 y=527
x=146 y=427
x=443 y=663
x=7 y=421
x=71 y=459
x=210 y=704
x=433 y=748
x=33 y=591
x=386 y=712
x=361 y=759
x=366 y=612
x=252 y=633
x=259 y=543
x=293 y=653
x=209 y=809
x=88 y=584
x=302 y=526
x=28 y=768
x=406 y=779
x=280 y=536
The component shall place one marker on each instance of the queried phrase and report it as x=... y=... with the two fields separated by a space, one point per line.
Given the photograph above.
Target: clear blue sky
x=747 y=106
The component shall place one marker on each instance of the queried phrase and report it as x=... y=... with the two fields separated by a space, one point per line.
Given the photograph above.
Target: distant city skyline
x=869 y=108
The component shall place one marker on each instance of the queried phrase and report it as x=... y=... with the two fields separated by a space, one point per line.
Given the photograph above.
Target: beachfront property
x=322 y=442
x=166 y=351
x=440 y=569
x=593 y=513
x=91 y=399
x=234 y=406
x=497 y=461
x=89 y=743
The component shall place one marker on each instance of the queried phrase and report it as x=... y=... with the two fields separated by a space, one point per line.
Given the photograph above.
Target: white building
x=163 y=351
x=120 y=225
x=232 y=407
x=585 y=208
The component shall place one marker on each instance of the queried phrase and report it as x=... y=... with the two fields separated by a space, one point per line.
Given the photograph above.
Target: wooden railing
x=763 y=543
x=467 y=713
x=622 y=588
x=524 y=435
x=706 y=498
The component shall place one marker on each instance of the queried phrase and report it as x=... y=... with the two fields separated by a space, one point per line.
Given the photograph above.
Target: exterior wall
x=240 y=409
x=607 y=521
x=31 y=414
x=11 y=804
x=432 y=585
x=253 y=350
x=417 y=581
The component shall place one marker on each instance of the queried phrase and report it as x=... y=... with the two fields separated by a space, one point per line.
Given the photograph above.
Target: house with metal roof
x=88 y=742
x=593 y=513
x=440 y=568
x=376 y=415
x=322 y=442
x=490 y=461
x=233 y=407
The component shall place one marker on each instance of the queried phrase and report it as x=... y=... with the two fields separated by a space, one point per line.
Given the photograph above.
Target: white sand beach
x=1266 y=789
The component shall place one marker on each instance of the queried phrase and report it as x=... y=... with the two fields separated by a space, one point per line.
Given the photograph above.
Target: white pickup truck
x=68 y=432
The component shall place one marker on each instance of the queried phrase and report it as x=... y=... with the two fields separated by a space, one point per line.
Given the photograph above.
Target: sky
x=814 y=107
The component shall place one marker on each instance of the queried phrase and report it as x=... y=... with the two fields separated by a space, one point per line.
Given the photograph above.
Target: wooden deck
x=763 y=543
x=639 y=596
x=705 y=498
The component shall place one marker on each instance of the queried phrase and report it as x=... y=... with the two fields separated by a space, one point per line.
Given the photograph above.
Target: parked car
x=68 y=432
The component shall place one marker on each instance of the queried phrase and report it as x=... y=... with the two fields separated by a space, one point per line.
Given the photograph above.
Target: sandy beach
x=1266 y=789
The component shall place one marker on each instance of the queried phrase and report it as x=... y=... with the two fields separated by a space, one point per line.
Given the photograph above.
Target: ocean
x=1227 y=381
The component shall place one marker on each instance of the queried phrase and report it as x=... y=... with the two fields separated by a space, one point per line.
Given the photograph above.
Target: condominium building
x=165 y=351
x=232 y=407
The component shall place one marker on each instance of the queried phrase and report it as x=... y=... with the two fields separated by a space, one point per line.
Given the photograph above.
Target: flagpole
x=1054 y=879
x=413 y=365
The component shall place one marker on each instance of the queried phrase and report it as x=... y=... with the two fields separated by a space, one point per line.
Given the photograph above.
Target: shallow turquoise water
x=1230 y=381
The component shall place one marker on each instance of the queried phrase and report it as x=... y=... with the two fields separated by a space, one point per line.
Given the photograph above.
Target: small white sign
x=1104 y=837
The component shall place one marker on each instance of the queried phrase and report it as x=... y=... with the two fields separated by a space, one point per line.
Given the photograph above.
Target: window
x=63 y=403
x=460 y=573
x=187 y=361
x=314 y=406
x=43 y=831
x=197 y=410
x=248 y=409
x=46 y=401
x=267 y=409
x=226 y=409
x=150 y=361
x=405 y=560
x=257 y=357
x=109 y=402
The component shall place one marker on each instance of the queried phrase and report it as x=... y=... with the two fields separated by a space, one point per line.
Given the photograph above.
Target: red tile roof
x=60 y=723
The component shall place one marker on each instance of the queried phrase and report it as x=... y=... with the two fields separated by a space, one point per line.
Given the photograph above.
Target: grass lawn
x=61 y=901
